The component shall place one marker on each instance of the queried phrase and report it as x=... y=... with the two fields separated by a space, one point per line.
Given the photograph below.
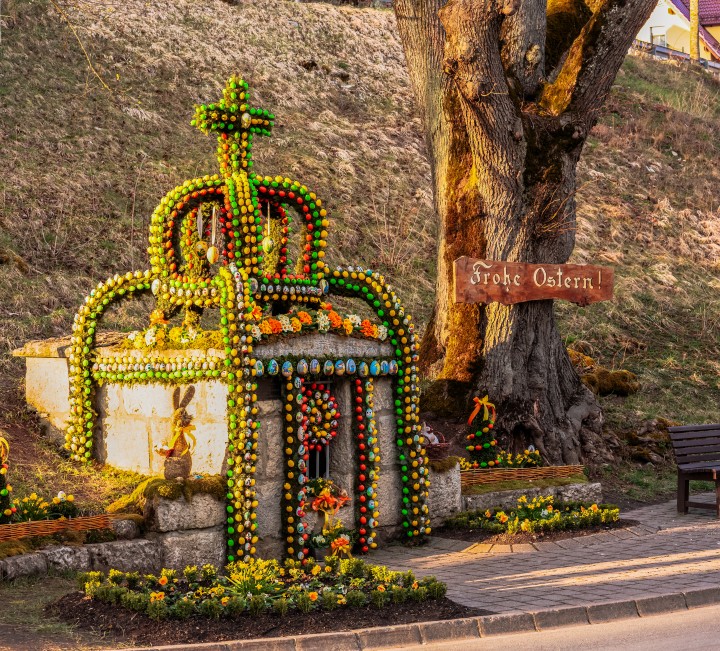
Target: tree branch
x=523 y=46
x=591 y=64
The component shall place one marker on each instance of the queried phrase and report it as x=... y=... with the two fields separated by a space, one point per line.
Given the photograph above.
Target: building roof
x=709 y=16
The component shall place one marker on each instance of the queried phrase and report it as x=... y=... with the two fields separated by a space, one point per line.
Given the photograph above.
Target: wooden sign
x=487 y=281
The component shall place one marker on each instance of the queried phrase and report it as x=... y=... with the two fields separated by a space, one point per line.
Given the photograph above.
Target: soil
x=482 y=536
x=125 y=626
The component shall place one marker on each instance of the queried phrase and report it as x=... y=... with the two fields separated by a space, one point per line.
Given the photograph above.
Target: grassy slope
x=82 y=169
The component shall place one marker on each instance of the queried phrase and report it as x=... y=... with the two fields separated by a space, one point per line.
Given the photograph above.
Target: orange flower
x=368 y=329
x=335 y=319
x=157 y=596
x=275 y=326
x=381 y=588
x=313 y=596
x=163 y=580
x=304 y=317
x=340 y=546
x=256 y=313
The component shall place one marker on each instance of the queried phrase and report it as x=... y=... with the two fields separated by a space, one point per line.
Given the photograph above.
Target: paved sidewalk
x=666 y=554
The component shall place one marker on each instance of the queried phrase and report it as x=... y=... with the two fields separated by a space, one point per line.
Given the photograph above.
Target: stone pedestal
x=445 y=498
x=188 y=533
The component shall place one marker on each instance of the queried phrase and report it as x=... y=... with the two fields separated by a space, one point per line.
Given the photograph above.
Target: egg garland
x=242 y=222
x=368 y=463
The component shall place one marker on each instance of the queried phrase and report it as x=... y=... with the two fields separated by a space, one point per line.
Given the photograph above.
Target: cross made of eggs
x=235 y=122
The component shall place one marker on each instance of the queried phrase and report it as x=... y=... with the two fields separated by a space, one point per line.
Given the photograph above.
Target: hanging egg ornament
x=350 y=367
x=363 y=369
x=213 y=255
x=273 y=367
x=384 y=368
x=339 y=367
x=287 y=369
x=201 y=248
x=314 y=366
x=328 y=367
x=268 y=244
x=302 y=367
x=259 y=368
x=155 y=287
x=374 y=368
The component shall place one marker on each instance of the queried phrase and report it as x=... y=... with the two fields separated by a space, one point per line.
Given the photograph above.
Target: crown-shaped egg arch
x=254 y=213
x=243 y=221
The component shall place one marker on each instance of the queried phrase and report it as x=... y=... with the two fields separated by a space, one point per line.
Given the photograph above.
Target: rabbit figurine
x=179 y=448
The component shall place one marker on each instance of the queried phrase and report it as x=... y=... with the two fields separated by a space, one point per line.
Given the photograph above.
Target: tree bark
x=507 y=109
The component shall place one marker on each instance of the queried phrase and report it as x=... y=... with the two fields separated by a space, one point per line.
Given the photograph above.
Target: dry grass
x=84 y=167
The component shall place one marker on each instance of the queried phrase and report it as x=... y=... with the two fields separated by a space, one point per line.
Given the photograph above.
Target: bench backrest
x=698 y=445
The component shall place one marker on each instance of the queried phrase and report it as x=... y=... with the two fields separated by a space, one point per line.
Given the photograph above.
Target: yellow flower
x=341 y=600
x=157 y=596
x=316 y=570
x=313 y=596
x=347 y=324
x=415 y=585
x=224 y=601
x=381 y=588
x=487 y=514
x=70 y=498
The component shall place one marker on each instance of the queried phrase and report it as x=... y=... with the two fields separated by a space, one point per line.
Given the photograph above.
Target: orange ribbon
x=486 y=406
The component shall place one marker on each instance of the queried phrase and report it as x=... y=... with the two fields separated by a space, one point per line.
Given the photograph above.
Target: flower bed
x=257 y=586
x=537 y=515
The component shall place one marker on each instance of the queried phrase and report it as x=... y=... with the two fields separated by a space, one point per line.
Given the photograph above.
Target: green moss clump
x=443 y=465
x=169 y=489
x=603 y=382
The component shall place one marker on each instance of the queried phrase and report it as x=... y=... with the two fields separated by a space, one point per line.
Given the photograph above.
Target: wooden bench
x=697 y=453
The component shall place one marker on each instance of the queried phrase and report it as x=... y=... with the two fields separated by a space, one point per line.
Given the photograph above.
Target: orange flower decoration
x=256 y=313
x=335 y=319
x=368 y=329
x=304 y=317
x=275 y=326
x=340 y=545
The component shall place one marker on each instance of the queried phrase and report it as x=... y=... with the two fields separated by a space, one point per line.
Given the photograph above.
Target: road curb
x=466 y=628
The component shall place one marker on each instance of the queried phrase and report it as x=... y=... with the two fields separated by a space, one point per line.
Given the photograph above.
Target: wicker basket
x=492 y=475
x=437 y=451
x=50 y=527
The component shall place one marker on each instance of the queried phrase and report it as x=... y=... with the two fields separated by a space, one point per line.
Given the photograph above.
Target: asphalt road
x=688 y=630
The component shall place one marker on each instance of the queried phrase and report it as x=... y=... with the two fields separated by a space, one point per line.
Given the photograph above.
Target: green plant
x=257 y=604
x=356 y=598
x=329 y=600
x=378 y=597
x=281 y=606
x=304 y=603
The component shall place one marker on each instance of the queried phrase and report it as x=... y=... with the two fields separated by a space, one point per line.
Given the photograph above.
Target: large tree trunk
x=504 y=135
